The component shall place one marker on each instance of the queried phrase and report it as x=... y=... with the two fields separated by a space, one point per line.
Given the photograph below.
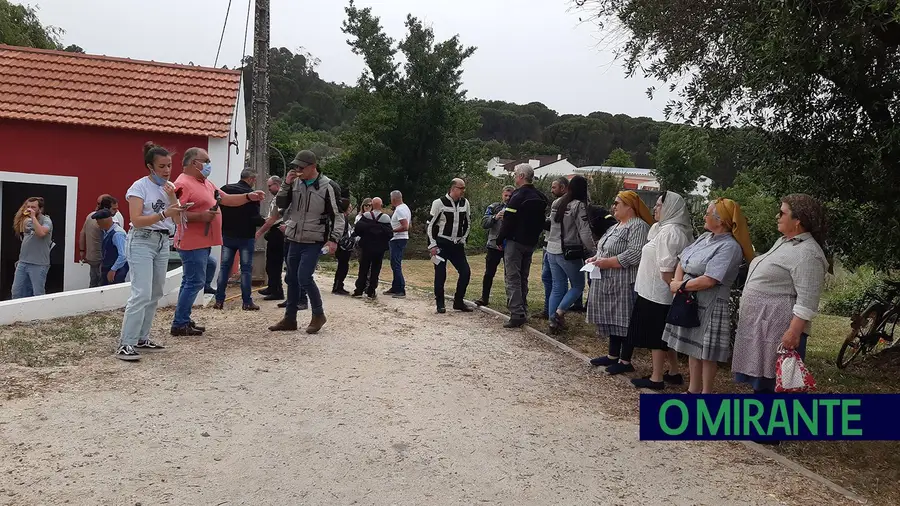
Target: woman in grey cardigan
x=612 y=296
x=570 y=236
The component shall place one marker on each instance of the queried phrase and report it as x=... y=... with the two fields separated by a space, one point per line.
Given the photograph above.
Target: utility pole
x=259 y=122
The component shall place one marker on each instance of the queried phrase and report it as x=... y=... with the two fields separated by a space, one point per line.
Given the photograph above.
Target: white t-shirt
x=119 y=219
x=401 y=212
x=659 y=255
x=155 y=201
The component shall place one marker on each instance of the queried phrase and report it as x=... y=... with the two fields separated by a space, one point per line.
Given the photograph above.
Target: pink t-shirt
x=193 y=235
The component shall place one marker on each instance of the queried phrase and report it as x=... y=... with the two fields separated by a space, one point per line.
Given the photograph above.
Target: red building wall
x=104 y=160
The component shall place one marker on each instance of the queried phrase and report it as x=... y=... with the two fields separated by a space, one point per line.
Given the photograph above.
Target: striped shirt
x=449 y=221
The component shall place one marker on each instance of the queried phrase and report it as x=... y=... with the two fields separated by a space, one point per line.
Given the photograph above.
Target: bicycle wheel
x=855 y=341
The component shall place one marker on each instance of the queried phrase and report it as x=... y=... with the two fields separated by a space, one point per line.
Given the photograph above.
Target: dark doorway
x=14 y=194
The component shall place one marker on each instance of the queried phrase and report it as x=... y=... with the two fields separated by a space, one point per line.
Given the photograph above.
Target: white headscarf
x=674 y=212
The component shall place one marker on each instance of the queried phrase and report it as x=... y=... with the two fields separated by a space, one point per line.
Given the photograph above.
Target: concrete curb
x=758 y=448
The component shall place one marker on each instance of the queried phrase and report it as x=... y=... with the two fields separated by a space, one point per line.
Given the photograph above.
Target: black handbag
x=684 y=312
x=570 y=252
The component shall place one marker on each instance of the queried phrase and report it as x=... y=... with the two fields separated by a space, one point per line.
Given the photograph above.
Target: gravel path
x=389 y=404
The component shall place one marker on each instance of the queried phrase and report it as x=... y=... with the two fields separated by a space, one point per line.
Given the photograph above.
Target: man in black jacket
x=239 y=237
x=375 y=232
x=523 y=222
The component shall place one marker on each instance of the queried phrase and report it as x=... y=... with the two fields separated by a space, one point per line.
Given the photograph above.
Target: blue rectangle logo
x=785 y=417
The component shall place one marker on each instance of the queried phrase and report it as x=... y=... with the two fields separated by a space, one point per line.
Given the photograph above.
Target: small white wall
x=555 y=169
x=74 y=274
x=84 y=301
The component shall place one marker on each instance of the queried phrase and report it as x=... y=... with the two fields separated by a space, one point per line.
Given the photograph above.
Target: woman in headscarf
x=709 y=267
x=782 y=293
x=667 y=239
x=611 y=297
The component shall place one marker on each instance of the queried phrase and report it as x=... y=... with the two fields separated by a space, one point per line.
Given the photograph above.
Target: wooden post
x=259 y=123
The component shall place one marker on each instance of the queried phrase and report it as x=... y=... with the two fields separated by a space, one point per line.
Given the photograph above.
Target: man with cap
x=113 y=265
x=312 y=219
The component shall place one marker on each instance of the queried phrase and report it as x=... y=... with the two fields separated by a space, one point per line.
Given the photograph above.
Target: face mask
x=157 y=179
x=207 y=169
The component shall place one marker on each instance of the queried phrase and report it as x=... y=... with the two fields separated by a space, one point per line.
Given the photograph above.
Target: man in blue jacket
x=113 y=265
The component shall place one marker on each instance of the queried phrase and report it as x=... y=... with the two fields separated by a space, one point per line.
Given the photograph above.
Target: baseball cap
x=102 y=214
x=304 y=158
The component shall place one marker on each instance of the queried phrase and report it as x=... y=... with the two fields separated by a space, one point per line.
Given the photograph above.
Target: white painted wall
x=75 y=275
x=555 y=169
x=84 y=301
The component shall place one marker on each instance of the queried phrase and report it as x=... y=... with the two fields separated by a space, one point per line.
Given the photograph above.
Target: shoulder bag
x=684 y=311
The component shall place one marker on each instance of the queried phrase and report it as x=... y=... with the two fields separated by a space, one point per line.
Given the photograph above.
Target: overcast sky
x=528 y=50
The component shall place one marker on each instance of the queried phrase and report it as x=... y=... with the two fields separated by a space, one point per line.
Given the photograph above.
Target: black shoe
x=481 y=302
x=127 y=353
x=303 y=306
x=250 y=307
x=282 y=304
x=209 y=291
x=462 y=306
x=514 y=323
x=357 y=294
x=604 y=361
x=264 y=291
x=194 y=325
x=441 y=310
x=274 y=296
x=371 y=296
x=399 y=295
x=186 y=330
x=647 y=383
x=673 y=379
x=619 y=368
x=387 y=292
x=149 y=345
x=340 y=291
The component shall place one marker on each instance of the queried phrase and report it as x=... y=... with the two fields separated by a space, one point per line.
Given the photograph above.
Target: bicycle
x=872 y=330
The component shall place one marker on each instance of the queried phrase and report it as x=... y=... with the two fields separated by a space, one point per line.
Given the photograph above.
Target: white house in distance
x=543 y=165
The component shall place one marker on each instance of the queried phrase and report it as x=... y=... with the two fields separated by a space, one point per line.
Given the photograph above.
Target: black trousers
x=275 y=260
x=491 y=262
x=369 y=269
x=619 y=347
x=343 y=267
x=453 y=254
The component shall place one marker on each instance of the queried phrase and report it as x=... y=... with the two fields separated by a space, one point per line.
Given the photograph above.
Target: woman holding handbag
x=668 y=237
x=611 y=298
x=568 y=244
x=702 y=285
x=782 y=293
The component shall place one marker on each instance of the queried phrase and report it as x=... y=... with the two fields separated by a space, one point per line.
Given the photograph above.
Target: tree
x=74 y=48
x=603 y=187
x=20 y=26
x=820 y=78
x=619 y=158
x=681 y=157
x=412 y=122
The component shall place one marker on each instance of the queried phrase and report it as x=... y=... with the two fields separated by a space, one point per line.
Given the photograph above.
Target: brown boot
x=284 y=325
x=219 y=305
x=318 y=320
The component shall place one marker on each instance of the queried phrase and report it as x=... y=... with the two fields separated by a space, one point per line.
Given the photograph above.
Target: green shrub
x=847 y=293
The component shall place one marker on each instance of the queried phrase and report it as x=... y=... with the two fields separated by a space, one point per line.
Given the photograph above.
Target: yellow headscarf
x=733 y=219
x=632 y=200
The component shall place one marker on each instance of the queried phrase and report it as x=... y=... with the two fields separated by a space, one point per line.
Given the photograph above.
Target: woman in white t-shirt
x=671 y=233
x=152 y=205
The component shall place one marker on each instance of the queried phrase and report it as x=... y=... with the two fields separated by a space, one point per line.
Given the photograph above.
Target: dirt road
x=389 y=404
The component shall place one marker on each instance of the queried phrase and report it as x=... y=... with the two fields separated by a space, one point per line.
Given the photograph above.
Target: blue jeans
x=547 y=279
x=29 y=280
x=148 y=259
x=230 y=247
x=564 y=272
x=193 y=263
x=302 y=260
x=210 y=272
x=398 y=246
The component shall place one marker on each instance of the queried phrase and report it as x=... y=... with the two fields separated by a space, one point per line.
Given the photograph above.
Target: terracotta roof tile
x=78 y=89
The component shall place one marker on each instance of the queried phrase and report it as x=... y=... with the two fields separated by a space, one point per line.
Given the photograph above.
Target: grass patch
x=58 y=342
x=869 y=468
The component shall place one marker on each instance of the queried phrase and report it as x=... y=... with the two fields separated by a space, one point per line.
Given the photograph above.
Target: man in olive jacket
x=312 y=220
x=523 y=222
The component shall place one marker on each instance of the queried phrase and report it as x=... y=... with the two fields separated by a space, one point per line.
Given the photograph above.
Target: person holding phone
x=153 y=206
x=199 y=231
x=35 y=229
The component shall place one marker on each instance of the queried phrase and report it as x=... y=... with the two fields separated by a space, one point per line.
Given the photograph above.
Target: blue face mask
x=157 y=179
x=207 y=169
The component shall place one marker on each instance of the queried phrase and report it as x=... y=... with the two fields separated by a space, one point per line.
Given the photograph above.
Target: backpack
x=599 y=220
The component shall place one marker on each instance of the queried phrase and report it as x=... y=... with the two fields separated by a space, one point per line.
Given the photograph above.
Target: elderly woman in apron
x=709 y=267
x=782 y=293
x=611 y=298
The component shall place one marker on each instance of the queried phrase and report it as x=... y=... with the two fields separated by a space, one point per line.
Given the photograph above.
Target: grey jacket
x=492 y=224
x=577 y=228
x=310 y=212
